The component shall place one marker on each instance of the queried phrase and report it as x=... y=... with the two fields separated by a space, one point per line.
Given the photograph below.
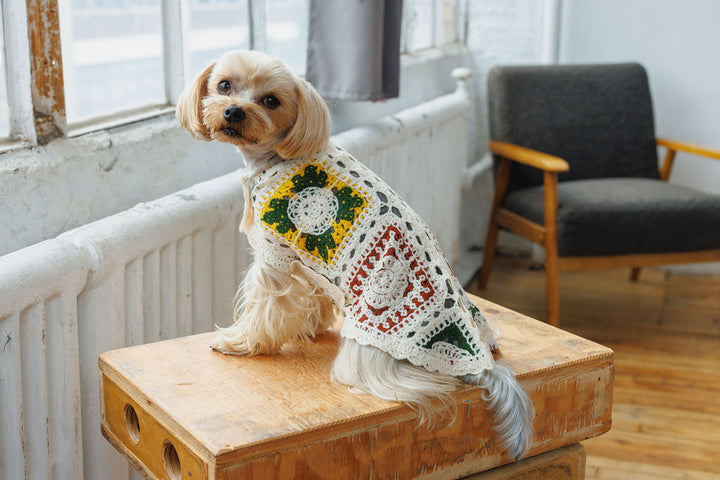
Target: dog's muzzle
x=233 y=114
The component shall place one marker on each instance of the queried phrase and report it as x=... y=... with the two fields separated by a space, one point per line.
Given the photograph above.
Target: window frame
x=17 y=71
x=436 y=33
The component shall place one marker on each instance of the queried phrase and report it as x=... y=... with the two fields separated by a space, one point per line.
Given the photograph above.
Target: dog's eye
x=224 y=87
x=271 y=102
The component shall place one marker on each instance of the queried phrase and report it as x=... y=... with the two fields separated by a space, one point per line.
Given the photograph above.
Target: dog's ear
x=311 y=131
x=189 y=106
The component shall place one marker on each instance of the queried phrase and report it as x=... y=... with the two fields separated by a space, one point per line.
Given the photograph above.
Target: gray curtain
x=354 y=48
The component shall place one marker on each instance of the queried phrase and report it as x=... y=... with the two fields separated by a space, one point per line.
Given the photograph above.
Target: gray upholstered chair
x=577 y=172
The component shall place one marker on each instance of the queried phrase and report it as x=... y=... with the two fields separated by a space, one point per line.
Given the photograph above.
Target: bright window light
x=421 y=25
x=216 y=26
x=112 y=56
x=287 y=32
x=449 y=21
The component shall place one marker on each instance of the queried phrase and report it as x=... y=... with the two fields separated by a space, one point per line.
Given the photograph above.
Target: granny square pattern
x=341 y=220
x=313 y=211
x=391 y=284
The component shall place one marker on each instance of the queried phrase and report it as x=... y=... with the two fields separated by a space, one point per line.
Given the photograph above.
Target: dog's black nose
x=234 y=114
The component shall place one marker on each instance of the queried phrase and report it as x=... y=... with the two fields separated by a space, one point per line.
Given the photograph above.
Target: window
x=112 y=53
x=430 y=23
x=123 y=60
x=216 y=26
x=448 y=18
x=421 y=25
x=287 y=31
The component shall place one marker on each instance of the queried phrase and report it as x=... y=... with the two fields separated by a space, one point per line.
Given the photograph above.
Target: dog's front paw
x=221 y=343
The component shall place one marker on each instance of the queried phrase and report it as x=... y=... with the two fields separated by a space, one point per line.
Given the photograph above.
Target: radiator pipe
x=475 y=170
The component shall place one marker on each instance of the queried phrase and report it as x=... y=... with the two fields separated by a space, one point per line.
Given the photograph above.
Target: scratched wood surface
x=281 y=417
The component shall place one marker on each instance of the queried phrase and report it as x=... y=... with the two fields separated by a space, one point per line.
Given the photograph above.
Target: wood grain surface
x=281 y=417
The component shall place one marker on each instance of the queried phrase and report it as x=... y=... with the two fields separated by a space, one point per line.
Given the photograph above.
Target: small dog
x=329 y=236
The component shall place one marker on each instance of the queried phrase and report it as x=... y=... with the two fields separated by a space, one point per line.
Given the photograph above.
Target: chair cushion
x=599 y=118
x=617 y=216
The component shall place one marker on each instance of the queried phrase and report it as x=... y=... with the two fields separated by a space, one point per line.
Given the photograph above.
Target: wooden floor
x=665 y=331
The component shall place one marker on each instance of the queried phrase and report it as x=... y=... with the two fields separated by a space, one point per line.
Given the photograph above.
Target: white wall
x=45 y=191
x=678 y=42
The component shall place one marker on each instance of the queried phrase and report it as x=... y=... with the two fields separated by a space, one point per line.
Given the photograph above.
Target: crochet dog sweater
x=340 y=220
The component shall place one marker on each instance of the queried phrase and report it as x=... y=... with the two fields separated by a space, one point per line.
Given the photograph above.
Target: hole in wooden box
x=131 y=423
x=171 y=461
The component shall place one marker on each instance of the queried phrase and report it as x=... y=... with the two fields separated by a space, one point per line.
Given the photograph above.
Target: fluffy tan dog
x=330 y=238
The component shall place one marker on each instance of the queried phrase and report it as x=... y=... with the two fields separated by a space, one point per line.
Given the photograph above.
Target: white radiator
x=164 y=269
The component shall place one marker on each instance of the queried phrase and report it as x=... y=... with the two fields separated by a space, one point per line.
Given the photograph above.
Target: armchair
x=577 y=173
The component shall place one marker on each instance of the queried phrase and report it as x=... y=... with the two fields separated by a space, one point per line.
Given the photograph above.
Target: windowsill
x=118 y=119
x=431 y=53
x=9 y=145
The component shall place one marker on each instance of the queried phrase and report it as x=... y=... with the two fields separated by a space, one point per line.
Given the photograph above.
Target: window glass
x=112 y=56
x=421 y=25
x=4 y=110
x=448 y=14
x=287 y=32
x=216 y=26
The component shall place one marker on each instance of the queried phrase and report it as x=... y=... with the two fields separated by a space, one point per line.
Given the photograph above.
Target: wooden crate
x=567 y=463
x=176 y=409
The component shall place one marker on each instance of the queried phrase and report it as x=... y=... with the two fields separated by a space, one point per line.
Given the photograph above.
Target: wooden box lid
x=176 y=409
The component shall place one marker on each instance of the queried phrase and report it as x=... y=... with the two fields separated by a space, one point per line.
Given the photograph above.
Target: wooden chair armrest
x=689 y=148
x=528 y=156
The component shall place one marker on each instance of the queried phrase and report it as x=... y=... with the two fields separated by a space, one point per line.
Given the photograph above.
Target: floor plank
x=665 y=331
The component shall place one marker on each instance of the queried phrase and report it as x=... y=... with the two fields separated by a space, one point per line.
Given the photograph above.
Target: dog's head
x=251 y=100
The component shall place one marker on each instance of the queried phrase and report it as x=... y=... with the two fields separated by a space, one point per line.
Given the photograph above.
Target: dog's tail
x=510 y=407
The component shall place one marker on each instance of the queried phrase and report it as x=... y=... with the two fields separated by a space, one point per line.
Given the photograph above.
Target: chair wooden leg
x=488 y=254
x=635 y=274
x=552 y=288
x=552 y=266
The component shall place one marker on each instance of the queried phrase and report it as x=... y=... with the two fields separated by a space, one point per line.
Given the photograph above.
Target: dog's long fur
x=373 y=371
x=272 y=306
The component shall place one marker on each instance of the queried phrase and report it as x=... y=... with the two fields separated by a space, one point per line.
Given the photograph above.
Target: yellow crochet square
x=314 y=211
